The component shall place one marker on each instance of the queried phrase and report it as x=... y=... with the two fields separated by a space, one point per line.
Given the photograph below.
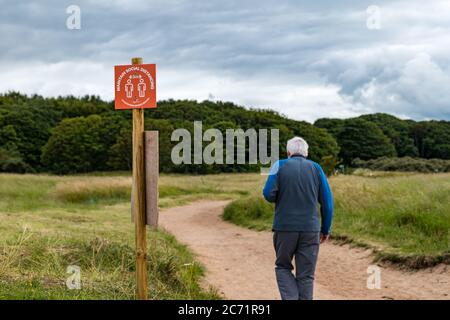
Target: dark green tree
x=397 y=130
x=120 y=154
x=432 y=139
x=332 y=125
x=363 y=139
x=81 y=144
x=85 y=134
x=10 y=158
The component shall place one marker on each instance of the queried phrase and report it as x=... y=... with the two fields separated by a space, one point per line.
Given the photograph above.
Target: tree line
x=67 y=134
x=372 y=136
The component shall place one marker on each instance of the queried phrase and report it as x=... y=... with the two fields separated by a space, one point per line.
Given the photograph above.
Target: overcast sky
x=306 y=59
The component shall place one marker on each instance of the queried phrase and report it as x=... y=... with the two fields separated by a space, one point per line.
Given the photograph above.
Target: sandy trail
x=240 y=262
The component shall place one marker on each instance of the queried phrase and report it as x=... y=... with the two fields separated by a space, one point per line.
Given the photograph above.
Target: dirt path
x=239 y=261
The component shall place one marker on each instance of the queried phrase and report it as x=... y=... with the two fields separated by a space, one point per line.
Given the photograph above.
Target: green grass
x=34 y=267
x=45 y=227
x=109 y=190
x=405 y=219
x=50 y=222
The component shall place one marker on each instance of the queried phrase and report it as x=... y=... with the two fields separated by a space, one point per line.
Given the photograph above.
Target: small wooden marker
x=151 y=176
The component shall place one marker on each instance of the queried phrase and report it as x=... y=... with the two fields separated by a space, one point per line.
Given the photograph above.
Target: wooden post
x=139 y=199
x=151 y=176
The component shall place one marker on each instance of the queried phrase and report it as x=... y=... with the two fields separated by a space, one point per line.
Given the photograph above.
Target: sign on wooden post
x=135 y=88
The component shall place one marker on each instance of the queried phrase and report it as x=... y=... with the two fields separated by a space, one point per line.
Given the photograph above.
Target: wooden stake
x=151 y=176
x=139 y=199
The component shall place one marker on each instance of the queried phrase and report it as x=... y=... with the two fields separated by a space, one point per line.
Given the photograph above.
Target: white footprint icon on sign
x=141 y=88
x=129 y=88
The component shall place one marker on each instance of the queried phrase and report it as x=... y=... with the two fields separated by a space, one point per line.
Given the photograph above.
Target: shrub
x=404 y=164
x=252 y=212
x=329 y=164
x=11 y=161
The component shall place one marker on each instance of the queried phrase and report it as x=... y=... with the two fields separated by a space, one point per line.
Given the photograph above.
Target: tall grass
x=34 y=267
x=48 y=223
x=94 y=189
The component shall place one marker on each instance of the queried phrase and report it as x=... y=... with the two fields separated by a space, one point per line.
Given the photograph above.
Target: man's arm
x=270 y=190
x=326 y=202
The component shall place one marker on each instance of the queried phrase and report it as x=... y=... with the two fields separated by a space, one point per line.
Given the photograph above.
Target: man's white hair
x=297 y=145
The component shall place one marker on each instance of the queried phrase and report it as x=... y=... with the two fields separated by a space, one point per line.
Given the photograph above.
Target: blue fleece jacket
x=297 y=185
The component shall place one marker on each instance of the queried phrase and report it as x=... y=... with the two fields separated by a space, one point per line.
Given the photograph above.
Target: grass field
x=48 y=223
x=404 y=218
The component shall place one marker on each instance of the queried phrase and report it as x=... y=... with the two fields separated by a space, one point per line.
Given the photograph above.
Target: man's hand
x=323 y=237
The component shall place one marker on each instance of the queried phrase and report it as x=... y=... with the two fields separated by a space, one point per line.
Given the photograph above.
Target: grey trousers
x=304 y=246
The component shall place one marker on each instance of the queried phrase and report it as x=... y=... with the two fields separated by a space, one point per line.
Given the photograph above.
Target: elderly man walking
x=297 y=186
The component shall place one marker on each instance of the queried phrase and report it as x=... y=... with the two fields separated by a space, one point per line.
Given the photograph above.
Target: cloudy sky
x=306 y=59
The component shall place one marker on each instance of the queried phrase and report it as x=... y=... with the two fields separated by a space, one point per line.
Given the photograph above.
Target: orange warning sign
x=135 y=86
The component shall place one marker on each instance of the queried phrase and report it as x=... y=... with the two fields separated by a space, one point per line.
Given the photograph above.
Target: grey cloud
x=292 y=44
